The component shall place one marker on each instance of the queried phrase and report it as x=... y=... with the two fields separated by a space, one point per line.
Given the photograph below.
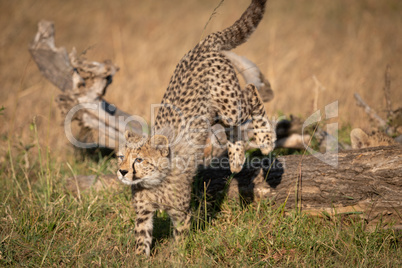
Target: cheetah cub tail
x=240 y=31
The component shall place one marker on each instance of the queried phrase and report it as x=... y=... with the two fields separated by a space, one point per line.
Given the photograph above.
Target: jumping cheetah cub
x=203 y=90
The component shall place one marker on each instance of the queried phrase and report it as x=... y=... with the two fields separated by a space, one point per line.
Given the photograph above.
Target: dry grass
x=345 y=45
x=44 y=226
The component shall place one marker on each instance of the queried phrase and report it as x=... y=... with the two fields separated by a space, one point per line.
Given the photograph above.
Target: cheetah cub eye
x=120 y=158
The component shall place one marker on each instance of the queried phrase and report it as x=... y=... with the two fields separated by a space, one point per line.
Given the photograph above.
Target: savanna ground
x=342 y=45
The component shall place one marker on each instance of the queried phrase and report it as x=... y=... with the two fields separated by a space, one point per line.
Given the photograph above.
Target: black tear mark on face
x=137 y=160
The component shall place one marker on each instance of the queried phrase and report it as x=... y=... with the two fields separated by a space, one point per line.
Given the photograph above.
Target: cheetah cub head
x=143 y=162
x=361 y=139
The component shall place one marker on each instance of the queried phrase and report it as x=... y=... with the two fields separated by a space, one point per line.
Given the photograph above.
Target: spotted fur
x=203 y=90
x=361 y=139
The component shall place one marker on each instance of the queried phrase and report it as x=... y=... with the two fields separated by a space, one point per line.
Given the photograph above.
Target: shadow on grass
x=214 y=184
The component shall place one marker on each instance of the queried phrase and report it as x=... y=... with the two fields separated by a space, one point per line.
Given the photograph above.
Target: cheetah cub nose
x=123 y=172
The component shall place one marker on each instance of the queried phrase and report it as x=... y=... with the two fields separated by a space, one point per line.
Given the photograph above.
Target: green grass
x=43 y=225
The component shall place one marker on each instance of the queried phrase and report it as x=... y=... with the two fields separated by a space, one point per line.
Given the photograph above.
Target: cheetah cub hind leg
x=236 y=155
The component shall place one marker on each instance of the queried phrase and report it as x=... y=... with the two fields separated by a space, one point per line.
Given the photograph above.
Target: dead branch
x=393 y=123
x=53 y=62
x=83 y=84
x=387 y=92
x=371 y=113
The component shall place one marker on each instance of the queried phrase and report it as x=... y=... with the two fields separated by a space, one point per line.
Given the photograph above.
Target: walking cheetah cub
x=203 y=90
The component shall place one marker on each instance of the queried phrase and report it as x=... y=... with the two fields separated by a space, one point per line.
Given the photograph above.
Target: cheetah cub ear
x=128 y=134
x=161 y=143
x=359 y=139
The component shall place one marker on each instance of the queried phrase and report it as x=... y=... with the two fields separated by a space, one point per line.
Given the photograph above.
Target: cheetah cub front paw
x=236 y=156
x=265 y=138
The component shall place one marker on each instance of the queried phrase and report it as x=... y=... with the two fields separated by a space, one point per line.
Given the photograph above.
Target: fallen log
x=366 y=182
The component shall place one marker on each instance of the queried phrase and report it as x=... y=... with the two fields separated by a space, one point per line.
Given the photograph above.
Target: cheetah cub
x=361 y=139
x=204 y=90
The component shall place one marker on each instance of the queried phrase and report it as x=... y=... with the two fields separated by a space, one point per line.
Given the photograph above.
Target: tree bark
x=365 y=182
